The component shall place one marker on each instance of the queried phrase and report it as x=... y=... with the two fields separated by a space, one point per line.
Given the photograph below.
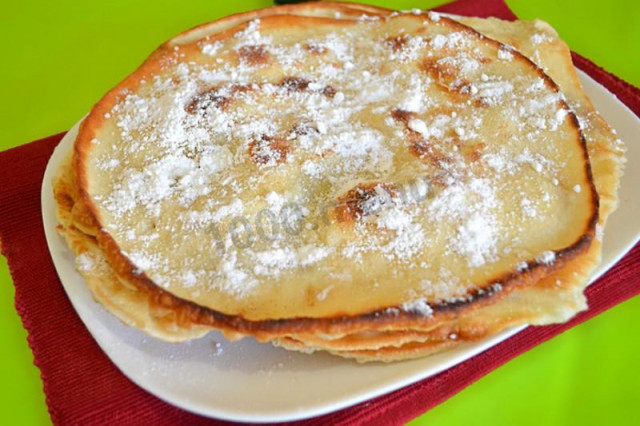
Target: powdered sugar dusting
x=213 y=153
x=419 y=306
x=547 y=257
x=85 y=262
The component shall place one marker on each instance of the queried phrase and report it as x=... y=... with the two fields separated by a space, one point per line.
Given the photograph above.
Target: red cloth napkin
x=83 y=386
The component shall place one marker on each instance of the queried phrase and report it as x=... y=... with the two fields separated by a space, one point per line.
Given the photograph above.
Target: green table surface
x=59 y=57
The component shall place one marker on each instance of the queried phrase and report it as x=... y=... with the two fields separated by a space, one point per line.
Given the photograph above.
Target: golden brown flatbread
x=243 y=116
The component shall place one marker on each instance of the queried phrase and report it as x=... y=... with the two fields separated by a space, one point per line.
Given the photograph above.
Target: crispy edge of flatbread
x=132 y=306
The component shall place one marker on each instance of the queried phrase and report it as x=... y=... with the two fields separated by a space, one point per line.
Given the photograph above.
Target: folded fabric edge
x=7 y=251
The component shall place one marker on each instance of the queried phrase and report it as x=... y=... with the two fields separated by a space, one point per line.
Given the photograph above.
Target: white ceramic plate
x=248 y=381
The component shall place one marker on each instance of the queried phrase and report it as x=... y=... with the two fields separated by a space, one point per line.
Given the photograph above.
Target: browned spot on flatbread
x=304 y=128
x=481 y=102
x=357 y=202
x=396 y=43
x=240 y=88
x=447 y=76
x=64 y=199
x=269 y=150
x=443 y=72
x=254 y=54
x=295 y=84
x=329 y=91
x=402 y=115
x=204 y=100
x=214 y=97
x=474 y=152
x=299 y=84
x=427 y=151
x=419 y=146
x=315 y=48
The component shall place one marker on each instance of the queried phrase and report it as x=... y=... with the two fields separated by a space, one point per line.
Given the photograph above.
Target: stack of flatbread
x=379 y=185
